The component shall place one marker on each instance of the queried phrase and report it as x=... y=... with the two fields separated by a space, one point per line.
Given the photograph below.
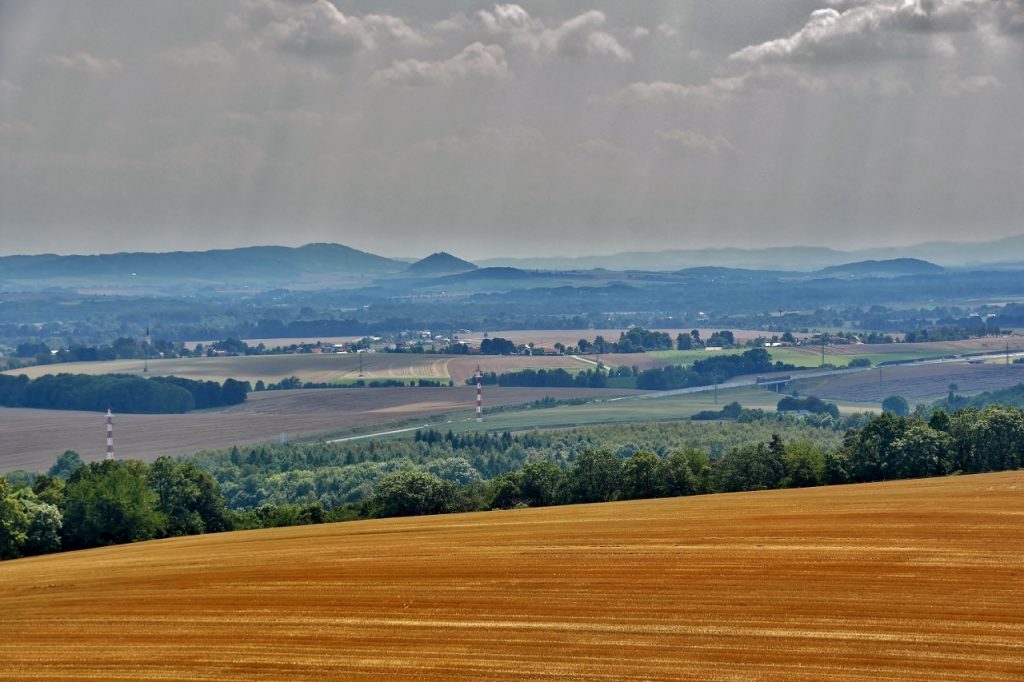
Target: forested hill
x=441 y=263
x=256 y=262
x=883 y=268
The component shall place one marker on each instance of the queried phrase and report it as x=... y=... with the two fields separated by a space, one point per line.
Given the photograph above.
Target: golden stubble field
x=315 y=367
x=914 y=580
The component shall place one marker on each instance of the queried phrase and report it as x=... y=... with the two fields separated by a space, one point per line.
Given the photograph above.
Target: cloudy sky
x=539 y=128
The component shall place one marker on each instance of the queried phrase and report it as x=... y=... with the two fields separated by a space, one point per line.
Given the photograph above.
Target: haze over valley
x=455 y=339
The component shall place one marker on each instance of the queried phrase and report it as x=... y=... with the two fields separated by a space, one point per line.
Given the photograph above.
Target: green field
x=799 y=356
x=810 y=356
x=611 y=411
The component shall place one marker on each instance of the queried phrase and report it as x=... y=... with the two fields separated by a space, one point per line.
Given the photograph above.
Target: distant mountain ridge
x=794 y=258
x=324 y=265
x=268 y=262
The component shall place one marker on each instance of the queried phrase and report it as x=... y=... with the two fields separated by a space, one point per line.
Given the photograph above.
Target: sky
x=531 y=129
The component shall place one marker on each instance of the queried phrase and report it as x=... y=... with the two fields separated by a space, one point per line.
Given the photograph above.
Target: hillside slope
x=909 y=580
x=440 y=263
x=219 y=264
x=894 y=267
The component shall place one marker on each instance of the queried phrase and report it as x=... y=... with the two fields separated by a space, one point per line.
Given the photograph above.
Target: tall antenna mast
x=479 y=394
x=110 y=433
x=146 y=342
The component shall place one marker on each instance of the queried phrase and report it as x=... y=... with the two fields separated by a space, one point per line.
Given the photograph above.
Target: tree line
x=76 y=505
x=546 y=378
x=889 y=447
x=110 y=502
x=713 y=370
x=124 y=393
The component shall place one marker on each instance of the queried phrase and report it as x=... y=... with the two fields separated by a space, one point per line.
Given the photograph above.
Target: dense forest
x=110 y=502
x=124 y=393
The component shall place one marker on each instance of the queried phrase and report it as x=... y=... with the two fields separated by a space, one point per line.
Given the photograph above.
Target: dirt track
x=915 y=580
x=32 y=439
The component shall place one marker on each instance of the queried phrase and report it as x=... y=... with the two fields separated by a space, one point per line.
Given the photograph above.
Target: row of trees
x=497 y=346
x=719 y=339
x=123 y=392
x=110 y=502
x=810 y=404
x=713 y=370
x=546 y=378
x=887 y=448
x=334 y=474
x=954 y=333
x=75 y=506
x=633 y=340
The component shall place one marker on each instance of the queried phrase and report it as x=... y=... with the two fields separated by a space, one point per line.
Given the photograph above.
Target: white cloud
x=509 y=20
x=319 y=28
x=83 y=61
x=873 y=29
x=601 y=43
x=474 y=61
x=639 y=32
x=761 y=80
x=456 y=22
x=691 y=142
x=667 y=30
x=576 y=37
x=662 y=92
x=388 y=28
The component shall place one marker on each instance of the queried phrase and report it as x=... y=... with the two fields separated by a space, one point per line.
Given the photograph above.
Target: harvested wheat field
x=316 y=367
x=32 y=438
x=914 y=580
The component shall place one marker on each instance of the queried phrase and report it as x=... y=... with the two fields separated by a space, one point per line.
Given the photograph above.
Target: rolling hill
x=255 y=262
x=903 y=580
x=894 y=267
x=440 y=263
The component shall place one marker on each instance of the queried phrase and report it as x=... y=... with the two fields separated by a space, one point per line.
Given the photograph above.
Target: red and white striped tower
x=479 y=394
x=110 y=433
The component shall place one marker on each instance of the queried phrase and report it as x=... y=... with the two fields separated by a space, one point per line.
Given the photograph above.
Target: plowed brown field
x=915 y=580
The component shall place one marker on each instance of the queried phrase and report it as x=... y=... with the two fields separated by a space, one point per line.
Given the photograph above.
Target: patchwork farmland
x=913 y=580
x=32 y=439
x=315 y=367
x=916 y=383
